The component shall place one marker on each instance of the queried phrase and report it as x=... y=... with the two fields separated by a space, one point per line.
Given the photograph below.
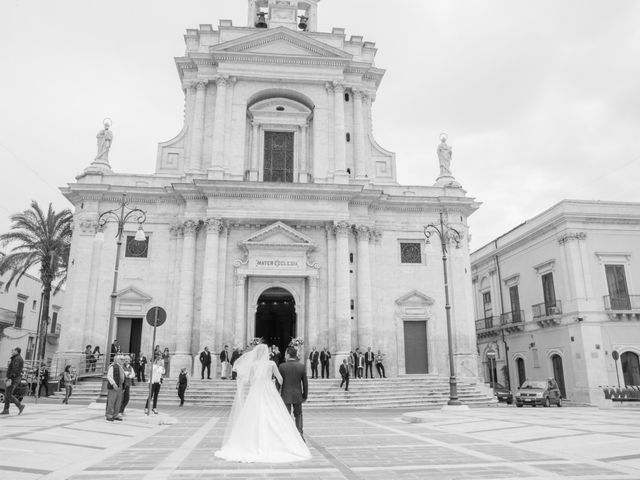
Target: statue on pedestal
x=105 y=138
x=444 y=155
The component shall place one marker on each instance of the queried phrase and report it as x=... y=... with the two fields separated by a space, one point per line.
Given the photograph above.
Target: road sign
x=156 y=316
x=491 y=354
x=615 y=355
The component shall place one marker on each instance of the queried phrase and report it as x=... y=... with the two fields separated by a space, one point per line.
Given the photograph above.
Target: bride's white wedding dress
x=259 y=428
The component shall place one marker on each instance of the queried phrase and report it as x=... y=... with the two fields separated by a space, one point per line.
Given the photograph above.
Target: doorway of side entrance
x=415 y=347
x=276 y=318
x=129 y=334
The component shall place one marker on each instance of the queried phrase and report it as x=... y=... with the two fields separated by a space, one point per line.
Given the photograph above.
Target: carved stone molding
x=175 y=230
x=363 y=232
x=214 y=225
x=201 y=85
x=222 y=80
x=338 y=87
x=190 y=227
x=341 y=229
x=567 y=237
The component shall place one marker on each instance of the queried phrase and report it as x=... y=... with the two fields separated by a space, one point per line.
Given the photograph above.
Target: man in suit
x=368 y=363
x=314 y=358
x=325 y=355
x=344 y=372
x=225 y=371
x=356 y=362
x=235 y=356
x=294 y=385
x=205 y=360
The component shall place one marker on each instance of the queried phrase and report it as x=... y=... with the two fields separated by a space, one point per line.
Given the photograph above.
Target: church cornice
x=278 y=59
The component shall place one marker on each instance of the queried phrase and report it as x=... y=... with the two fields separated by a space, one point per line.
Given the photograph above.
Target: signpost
x=156 y=316
x=616 y=356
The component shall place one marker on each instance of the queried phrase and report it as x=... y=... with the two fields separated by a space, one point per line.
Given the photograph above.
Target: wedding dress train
x=259 y=428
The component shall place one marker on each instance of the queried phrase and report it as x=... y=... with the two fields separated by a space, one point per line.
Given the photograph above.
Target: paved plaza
x=53 y=441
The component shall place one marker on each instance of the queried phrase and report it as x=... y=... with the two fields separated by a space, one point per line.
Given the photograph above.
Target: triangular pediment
x=278 y=234
x=414 y=299
x=133 y=295
x=280 y=41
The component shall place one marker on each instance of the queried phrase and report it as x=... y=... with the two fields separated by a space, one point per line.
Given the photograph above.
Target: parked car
x=539 y=392
x=19 y=392
x=503 y=393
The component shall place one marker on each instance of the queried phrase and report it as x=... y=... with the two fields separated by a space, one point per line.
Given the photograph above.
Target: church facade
x=273 y=213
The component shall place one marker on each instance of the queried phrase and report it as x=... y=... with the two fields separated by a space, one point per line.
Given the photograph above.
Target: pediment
x=280 y=41
x=278 y=235
x=133 y=295
x=415 y=298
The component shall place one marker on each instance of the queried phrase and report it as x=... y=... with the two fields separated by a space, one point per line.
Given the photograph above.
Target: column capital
x=201 y=85
x=176 y=230
x=338 y=88
x=240 y=279
x=363 y=232
x=568 y=237
x=329 y=87
x=214 y=225
x=189 y=227
x=358 y=93
x=341 y=229
x=221 y=80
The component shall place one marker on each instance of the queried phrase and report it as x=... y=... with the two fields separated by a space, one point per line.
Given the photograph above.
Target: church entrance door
x=415 y=347
x=129 y=334
x=276 y=318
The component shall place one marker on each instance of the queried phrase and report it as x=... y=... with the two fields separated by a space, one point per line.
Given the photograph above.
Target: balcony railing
x=542 y=310
x=487 y=323
x=510 y=318
x=622 y=302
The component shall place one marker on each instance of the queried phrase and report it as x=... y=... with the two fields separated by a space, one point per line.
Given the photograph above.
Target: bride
x=259 y=428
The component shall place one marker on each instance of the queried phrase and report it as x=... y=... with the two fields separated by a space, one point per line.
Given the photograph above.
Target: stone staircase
x=404 y=391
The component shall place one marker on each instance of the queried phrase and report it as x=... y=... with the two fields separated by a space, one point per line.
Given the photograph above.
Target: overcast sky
x=541 y=99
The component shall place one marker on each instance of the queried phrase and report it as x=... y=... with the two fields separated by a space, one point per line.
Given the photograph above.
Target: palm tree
x=43 y=241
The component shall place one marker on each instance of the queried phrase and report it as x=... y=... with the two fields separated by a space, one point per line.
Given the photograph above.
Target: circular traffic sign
x=156 y=316
x=615 y=355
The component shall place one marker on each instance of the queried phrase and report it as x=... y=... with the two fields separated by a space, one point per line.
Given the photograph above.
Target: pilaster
x=365 y=310
x=182 y=357
x=358 y=120
x=209 y=308
x=197 y=139
x=340 y=150
x=217 y=160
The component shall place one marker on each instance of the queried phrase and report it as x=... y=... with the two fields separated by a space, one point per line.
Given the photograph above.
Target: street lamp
x=119 y=215
x=447 y=234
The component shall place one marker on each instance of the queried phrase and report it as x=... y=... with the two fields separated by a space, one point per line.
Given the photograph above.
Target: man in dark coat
x=344 y=372
x=294 y=385
x=237 y=353
x=14 y=375
x=369 y=357
x=205 y=360
x=314 y=358
x=325 y=355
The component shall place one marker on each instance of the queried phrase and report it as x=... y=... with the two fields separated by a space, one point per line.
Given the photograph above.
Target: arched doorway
x=522 y=374
x=276 y=318
x=558 y=373
x=630 y=368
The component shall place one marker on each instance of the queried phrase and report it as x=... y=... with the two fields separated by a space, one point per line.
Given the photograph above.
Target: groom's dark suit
x=294 y=388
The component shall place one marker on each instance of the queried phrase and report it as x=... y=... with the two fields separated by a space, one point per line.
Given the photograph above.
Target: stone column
x=340 y=148
x=182 y=357
x=197 y=136
x=217 y=159
x=209 y=309
x=312 y=320
x=303 y=176
x=240 y=330
x=358 y=120
x=343 y=297
x=255 y=152
x=365 y=309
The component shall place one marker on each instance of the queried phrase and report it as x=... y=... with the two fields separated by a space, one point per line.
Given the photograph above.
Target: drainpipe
x=504 y=341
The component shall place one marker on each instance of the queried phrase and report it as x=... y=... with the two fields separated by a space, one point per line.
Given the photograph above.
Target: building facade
x=274 y=213
x=20 y=306
x=556 y=297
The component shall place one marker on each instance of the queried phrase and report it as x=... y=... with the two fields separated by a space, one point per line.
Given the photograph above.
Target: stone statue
x=444 y=155
x=105 y=137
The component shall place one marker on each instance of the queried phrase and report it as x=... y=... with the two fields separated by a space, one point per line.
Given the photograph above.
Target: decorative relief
x=338 y=88
x=329 y=87
x=201 y=85
x=221 y=80
x=363 y=232
x=190 y=227
x=176 y=230
x=567 y=237
x=341 y=228
x=87 y=227
x=214 y=225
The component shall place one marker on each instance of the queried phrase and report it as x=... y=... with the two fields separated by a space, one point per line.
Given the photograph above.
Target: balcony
x=546 y=315
x=512 y=321
x=621 y=307
x=487 y=327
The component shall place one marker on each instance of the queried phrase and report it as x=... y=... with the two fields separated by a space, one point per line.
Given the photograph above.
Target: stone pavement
x=55 y=441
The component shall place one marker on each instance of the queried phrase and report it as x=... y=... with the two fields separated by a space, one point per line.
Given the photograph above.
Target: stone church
x=273 y=213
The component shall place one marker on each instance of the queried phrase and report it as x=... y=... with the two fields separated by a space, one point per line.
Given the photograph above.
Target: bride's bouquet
x=255 y=342
x=296 y=342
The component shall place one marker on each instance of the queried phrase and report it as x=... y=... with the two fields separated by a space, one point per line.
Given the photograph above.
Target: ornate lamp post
x=120 y=215
x=447 y=234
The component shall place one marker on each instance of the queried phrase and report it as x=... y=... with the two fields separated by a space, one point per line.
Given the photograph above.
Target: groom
x=294 y=385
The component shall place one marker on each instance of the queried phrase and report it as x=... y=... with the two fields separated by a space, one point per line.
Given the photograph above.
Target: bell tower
x=300 y=15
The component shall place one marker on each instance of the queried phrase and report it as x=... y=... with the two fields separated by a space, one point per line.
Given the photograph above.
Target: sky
x=540 y=99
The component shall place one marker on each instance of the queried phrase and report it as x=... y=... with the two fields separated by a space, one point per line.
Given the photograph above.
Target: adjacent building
x=273 y=213
x=557 y=297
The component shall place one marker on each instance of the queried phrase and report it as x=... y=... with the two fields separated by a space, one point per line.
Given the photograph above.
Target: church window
x=278 y=157
x=348 y=137
x=280 y=108
x=136 y=249
x=410 y=252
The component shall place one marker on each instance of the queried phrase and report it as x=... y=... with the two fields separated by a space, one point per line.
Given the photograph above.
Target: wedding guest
x=275 y=355
x=157 y=371
x=157 y=353
x=129 y=376
x=360 y=364
x=225 y=371
x=344 y=373
x=205 y=360
x=379 y=365
x=182 y=385
x=325 y=356
x=67 y=378
x=369 y=357
x=141 y=360
x=166 y=358
x=115 y=349
x=351 y=364
x=115 y=379
x=95 y=358
x=314 y=358
x=43 y=373
x=356 y=360
x=237 y=353
x=88 y=358
x=14 y=375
